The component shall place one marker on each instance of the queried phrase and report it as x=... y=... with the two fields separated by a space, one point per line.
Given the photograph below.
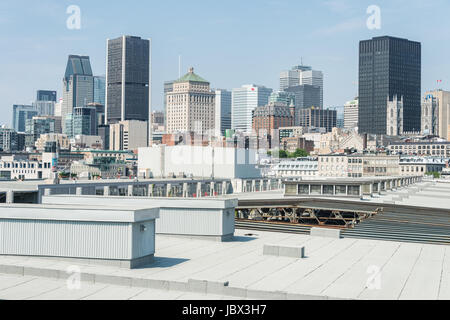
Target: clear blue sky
x=229 y=43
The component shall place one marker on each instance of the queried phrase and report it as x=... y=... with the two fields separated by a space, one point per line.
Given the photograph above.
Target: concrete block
x=7 y=269
x=178 y=286
x=216 y=287
x=271 y=250
x=84 y=277
x=326 y=232
x=158 y=284
x=266 y=295
x=139 y=282
x=114 y=280
x=235 y=292
x=38 y=272
x=298 y=296
x=197 y=285
x=292 y=251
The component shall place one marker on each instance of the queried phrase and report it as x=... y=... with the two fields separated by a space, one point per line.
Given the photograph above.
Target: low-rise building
x=421 y=165
x=102 y=167
x=299 y=168
x=422 y=148
x=294 y=143
x=62 y=141
x=358 y=165
x=21 y=167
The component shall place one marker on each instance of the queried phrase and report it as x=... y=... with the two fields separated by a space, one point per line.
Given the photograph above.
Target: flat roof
x=79 y=212
x=333 y=268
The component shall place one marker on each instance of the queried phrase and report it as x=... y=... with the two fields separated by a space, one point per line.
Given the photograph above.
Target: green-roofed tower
x=190 y=105
x=191 y=77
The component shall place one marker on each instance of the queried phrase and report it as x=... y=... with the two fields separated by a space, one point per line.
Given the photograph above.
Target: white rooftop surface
x=334 y=268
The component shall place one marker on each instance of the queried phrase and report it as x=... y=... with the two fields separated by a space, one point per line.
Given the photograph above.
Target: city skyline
x=331 y=47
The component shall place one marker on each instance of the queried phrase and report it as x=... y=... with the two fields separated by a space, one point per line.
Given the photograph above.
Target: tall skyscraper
x=99 y=89
x=243 y=101
x=222 y=112
x=190 y=105
x=21 y=113
x=301 y=75
x=128 y=76
x=78 y=88
x=389 y=66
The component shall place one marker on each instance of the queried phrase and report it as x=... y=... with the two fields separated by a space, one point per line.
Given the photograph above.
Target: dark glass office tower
x=388 y=66
x=128 y=79
x=46 y=95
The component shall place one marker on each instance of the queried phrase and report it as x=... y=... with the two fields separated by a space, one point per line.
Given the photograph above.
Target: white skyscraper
x=244 y=100
x=351 y=114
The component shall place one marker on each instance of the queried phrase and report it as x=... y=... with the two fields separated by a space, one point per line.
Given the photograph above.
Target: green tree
x=299 y=153
x=283 y=154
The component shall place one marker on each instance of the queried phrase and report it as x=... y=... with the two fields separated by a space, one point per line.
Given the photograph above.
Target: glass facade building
x=46 y=95
x=223 y=111
x=389 y=66
x=78 y=85
x=99 y=89
x=21 y=113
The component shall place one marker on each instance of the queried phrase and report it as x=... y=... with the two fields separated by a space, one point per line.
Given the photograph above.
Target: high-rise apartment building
x=443 y=101
x=128 y=88
x=351 y=114
x=243 y=101
x=389 y=66
x=21 y=113
x=78 y=85
x=222 y=112
x=190 y=106
x=430 y=115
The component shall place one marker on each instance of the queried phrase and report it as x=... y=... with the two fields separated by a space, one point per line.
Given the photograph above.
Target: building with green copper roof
x=191 y=77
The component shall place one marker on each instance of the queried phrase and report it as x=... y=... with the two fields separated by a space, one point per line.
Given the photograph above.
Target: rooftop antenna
x=179 y=66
